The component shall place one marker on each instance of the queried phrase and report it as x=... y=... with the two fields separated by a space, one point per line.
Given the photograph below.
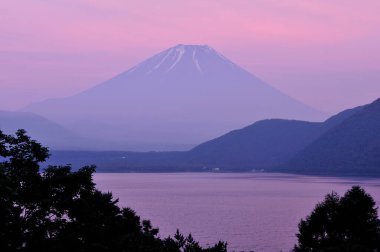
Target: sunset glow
x=320 y=52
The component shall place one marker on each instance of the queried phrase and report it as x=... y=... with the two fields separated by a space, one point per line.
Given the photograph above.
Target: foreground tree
x=348 y=223
x=61 y=210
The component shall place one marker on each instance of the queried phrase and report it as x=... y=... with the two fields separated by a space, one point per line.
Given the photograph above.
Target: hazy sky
x=325 y=53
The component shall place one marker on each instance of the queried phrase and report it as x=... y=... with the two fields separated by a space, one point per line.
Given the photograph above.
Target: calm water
x=251 y=211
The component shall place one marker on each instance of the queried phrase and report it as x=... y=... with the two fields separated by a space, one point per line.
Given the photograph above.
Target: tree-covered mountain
x=260 y=145
x=264 y=144
x=352 y=147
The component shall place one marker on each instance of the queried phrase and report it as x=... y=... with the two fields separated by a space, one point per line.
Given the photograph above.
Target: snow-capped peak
x=197 y=57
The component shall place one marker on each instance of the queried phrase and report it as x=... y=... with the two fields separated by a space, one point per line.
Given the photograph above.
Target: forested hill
x=352 y=147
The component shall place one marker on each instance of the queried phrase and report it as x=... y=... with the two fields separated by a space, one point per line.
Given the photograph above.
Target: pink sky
x=325 y=53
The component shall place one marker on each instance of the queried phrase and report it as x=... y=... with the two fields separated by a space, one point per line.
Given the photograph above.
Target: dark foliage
x=61 y=210
x=349 y=223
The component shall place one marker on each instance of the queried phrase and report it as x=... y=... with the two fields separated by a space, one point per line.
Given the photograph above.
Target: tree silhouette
x=58 y=209
x=348 y=223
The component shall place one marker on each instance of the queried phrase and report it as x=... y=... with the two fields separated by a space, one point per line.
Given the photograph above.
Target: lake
x=251 y=211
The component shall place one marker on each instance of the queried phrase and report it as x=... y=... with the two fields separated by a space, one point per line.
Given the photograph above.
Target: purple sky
x=325 y=53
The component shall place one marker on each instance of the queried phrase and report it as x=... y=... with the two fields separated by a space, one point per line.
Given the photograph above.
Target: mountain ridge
x=353 y=146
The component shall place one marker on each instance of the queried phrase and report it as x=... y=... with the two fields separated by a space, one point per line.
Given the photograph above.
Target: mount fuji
x=176 y=99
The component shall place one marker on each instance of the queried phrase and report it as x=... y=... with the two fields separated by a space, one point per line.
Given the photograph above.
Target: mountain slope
x=263 y=144
x=352 y=147
x=47 y=132
x=181 y=96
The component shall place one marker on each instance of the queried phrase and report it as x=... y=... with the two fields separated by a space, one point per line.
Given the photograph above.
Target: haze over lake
x=252 y=211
